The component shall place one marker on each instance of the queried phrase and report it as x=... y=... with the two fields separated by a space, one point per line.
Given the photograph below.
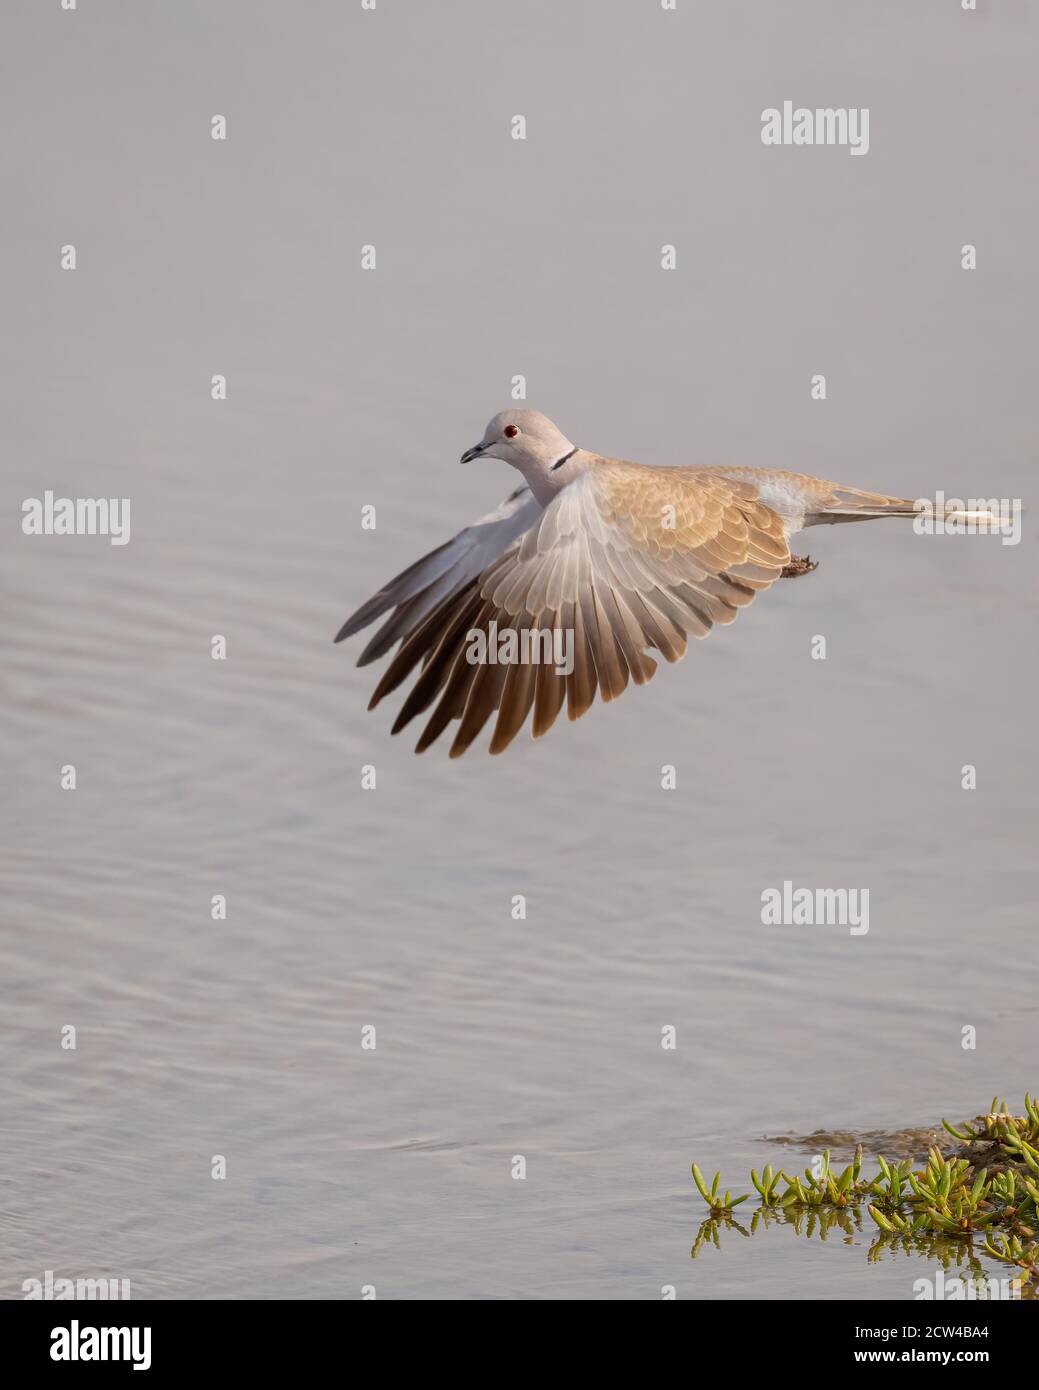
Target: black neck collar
x=559 y=462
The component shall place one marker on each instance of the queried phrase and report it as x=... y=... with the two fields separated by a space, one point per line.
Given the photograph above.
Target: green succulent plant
x=987 y=1191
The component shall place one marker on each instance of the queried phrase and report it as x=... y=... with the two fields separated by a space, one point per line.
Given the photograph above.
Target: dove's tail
x=849 y=504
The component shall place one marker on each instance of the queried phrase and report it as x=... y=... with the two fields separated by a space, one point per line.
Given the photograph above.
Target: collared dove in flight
x=621 y=557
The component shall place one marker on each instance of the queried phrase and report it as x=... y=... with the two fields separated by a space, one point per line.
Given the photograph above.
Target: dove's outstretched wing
x=441 y=573
x=626 y=558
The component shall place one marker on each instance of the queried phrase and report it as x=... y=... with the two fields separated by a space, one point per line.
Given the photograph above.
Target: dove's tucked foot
x=799 y=564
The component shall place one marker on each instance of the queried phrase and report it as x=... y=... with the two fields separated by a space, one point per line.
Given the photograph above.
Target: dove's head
x=529 y=441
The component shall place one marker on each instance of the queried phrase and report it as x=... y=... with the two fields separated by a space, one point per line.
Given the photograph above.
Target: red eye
x=510 y=431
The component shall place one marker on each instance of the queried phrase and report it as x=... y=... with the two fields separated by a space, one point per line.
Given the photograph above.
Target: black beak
x=473 y=453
